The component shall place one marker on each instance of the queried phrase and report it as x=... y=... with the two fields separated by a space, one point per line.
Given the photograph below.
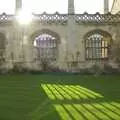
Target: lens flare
x=24 y=17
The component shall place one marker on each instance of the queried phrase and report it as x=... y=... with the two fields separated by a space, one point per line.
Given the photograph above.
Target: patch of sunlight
x=62 y=112
x=62 y=92
x=116 y=104
x=51 y=92
x=76 y=111
x=94 y=111
x=87 y=114
x=69 y=92
x=89 y=91
x=48 y=92
x=112 y=108
x=103 y=110
x=84 y=93
x=56 y=92
x=73 y=111
x=80 y=94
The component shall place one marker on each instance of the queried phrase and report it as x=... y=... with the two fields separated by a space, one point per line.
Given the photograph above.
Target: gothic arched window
x=97 y=46
x=46 y=46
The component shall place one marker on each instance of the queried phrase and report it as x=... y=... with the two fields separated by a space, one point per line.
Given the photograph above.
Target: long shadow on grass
x=55 y=97
x=44 y=109
x=22 y=98
x=108 y=86
x=86 y=97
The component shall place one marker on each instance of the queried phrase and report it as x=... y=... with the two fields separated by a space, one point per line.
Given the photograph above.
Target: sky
x=51 y=6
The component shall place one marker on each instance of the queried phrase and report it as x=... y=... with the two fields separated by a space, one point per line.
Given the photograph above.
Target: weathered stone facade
x=70 y=31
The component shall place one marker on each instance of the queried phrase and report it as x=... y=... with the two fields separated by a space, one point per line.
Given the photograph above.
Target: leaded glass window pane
x=46 y=46
x=97 y=46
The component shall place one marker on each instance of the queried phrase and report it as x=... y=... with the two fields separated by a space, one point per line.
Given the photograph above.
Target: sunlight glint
x=24 y=17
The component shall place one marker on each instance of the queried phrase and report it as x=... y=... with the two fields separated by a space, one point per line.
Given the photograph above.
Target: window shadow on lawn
x=84 y=98
x=56 y=97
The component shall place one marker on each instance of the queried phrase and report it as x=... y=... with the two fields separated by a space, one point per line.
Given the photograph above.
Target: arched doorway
x=97 y=45
x=46 y=45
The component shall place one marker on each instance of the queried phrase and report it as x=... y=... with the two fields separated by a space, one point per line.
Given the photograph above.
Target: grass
x=59 y=97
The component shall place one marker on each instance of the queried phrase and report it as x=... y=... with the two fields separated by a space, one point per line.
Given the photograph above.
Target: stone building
x=115 y=7
x=66 y=41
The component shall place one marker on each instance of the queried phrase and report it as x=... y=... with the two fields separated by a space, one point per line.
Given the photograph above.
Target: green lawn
x=59 y=97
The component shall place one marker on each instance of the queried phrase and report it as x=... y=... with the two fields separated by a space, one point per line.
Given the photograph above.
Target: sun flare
x=24 y=17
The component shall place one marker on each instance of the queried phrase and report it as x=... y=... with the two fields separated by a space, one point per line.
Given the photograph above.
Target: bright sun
x=24 y=17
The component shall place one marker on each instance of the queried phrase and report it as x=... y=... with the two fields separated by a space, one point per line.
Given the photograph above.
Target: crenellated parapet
x=62 y=19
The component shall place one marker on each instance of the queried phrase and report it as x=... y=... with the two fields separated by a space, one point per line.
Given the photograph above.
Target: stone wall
x=19 y=40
